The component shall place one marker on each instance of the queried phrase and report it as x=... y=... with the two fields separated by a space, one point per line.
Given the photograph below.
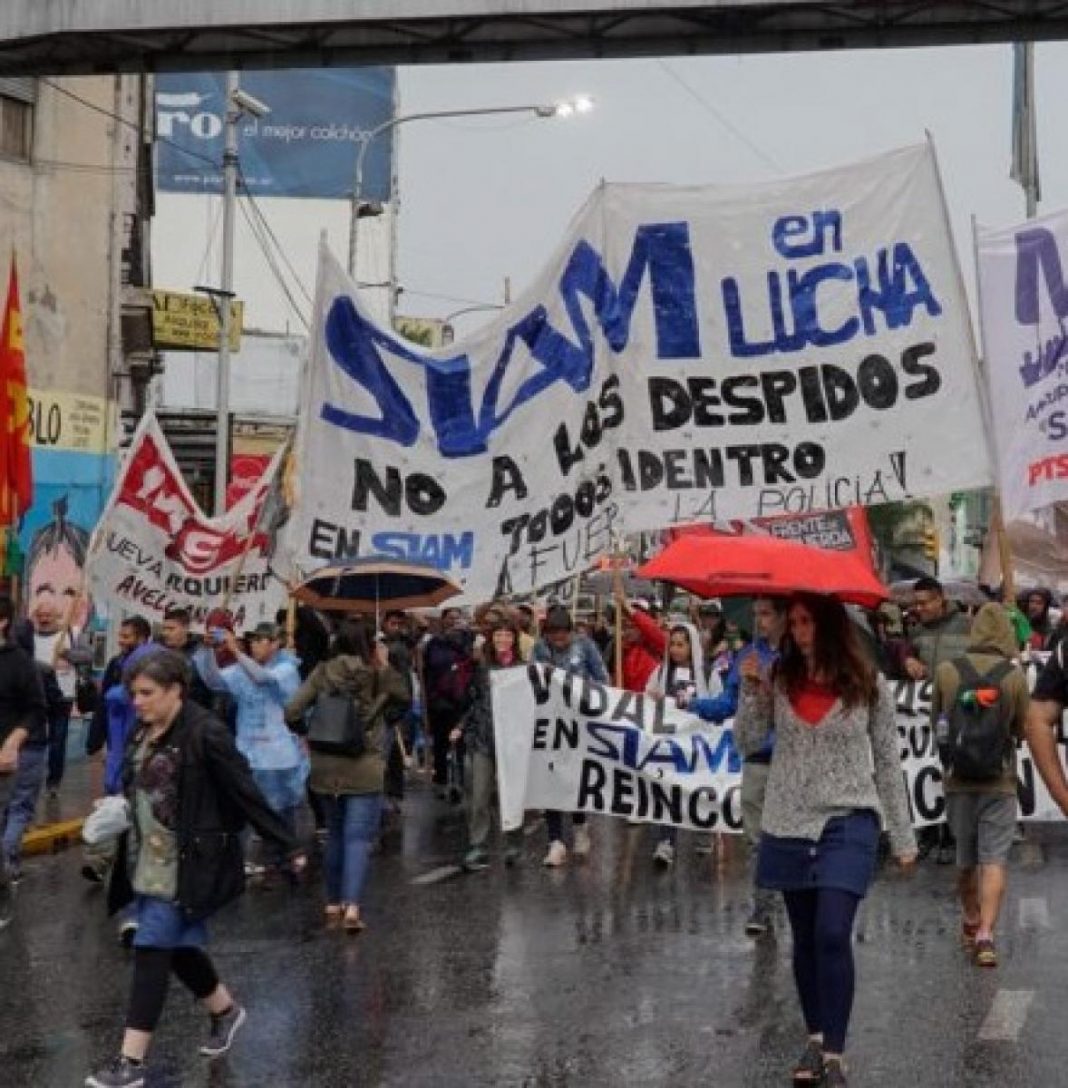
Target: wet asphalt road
x=608 y=973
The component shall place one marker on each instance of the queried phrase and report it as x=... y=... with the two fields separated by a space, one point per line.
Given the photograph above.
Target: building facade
x=75 y=204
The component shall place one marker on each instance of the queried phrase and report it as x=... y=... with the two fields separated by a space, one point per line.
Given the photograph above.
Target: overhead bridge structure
x=56 y=37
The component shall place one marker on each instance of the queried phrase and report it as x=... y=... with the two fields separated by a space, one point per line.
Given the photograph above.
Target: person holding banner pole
x=501 y=651
x=561 y=648
x=834 y=721
x=262 y=682
x=683 y=677
x=643 y=644
x=447 y=666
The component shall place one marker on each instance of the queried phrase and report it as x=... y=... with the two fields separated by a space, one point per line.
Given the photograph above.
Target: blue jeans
x=352 y=822
x=822 y=923
x=58 y=727
x=27 y=787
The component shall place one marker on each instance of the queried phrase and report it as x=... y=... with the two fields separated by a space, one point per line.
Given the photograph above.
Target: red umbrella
x=748 y=566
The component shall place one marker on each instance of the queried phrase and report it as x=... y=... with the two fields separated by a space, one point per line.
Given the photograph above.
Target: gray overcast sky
x=485 y=198
x=481 y=199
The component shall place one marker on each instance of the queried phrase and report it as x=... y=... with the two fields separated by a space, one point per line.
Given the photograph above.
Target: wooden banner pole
x=1008 y=575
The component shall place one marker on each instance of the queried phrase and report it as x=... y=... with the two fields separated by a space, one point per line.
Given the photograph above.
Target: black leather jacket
x=216 y=796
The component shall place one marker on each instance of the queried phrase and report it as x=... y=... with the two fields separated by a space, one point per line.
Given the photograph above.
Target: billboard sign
x=305 y=147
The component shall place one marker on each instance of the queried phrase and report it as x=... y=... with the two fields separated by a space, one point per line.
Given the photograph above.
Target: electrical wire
x=128 y=123
x=261 y=229
x=258 y=212
x=80 y=167
x=720 y=117
x=257 y=221
x=213 y=227
x=272 y=264
x=449 y=298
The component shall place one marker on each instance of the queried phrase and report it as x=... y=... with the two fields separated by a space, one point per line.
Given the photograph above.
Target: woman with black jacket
x=189 y=792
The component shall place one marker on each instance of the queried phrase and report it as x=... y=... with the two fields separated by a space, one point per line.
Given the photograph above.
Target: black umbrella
x=365 y=585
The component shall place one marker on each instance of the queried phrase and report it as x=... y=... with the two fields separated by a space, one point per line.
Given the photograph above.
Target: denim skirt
x=163 y=925
x=843 y=858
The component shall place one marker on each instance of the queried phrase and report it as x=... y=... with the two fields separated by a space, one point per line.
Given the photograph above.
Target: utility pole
x=226 y=290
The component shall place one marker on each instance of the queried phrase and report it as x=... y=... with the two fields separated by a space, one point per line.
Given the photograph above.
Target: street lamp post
x=238 y=103
x=226 y=290
x=448 y=333
x=580 y=104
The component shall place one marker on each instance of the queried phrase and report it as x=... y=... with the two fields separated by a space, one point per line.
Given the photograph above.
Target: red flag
x=16 y=468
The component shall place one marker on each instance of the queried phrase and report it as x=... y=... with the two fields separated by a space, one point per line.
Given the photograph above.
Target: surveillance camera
x=248 y=104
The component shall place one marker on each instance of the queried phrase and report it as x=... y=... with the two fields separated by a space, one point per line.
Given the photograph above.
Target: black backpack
x=335 y=726
x=980 y=723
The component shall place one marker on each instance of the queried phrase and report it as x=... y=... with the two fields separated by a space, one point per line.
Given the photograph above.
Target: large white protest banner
x=689 y=355
x=1023 y=309
x=154 y=549
x=576 y=746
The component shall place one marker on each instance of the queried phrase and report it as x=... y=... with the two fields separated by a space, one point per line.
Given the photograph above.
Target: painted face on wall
x=52 y=586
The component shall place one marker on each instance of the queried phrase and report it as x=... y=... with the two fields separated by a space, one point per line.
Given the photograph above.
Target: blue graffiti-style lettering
x=796 y=236
x=903 y=286
x=660 y=250
x=444 y=551
x=1037 y=252
x=898 y=288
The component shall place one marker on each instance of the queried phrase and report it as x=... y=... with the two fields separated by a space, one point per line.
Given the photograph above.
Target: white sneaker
x=556 y=856
x=582 y=842
x=664 y=854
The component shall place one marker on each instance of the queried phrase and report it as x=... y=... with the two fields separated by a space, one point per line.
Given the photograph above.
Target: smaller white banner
x=576 y=746
x=154 y=549
x=1023 y=310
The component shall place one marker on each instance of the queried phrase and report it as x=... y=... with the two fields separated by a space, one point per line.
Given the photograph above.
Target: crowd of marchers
x=214 y=743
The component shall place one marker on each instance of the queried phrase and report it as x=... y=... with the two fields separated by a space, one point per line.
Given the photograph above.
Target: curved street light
x=448 y=334
x=567 y=108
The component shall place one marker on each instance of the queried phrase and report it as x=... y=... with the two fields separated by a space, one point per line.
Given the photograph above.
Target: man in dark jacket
x=448 y=665
x=399 y=649
x=33 y=759
x=134 y=633
x=22 y=716
x=941 y=635
x=1037 y=605
x=175 y=635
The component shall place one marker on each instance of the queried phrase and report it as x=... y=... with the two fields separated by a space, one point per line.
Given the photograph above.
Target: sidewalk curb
x=49 y=838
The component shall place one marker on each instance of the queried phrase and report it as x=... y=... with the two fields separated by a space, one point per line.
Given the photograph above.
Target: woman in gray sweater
x=835 y=780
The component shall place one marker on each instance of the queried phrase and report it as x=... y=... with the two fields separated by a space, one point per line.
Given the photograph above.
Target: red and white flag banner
x=155 y=549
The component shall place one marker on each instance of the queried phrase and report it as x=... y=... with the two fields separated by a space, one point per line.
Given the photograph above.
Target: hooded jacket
x=944 y=639
x=261 y=693
x=662 y=679
x=641 y=658
x=992 y=640
x=120 y=718
x=374 y=691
